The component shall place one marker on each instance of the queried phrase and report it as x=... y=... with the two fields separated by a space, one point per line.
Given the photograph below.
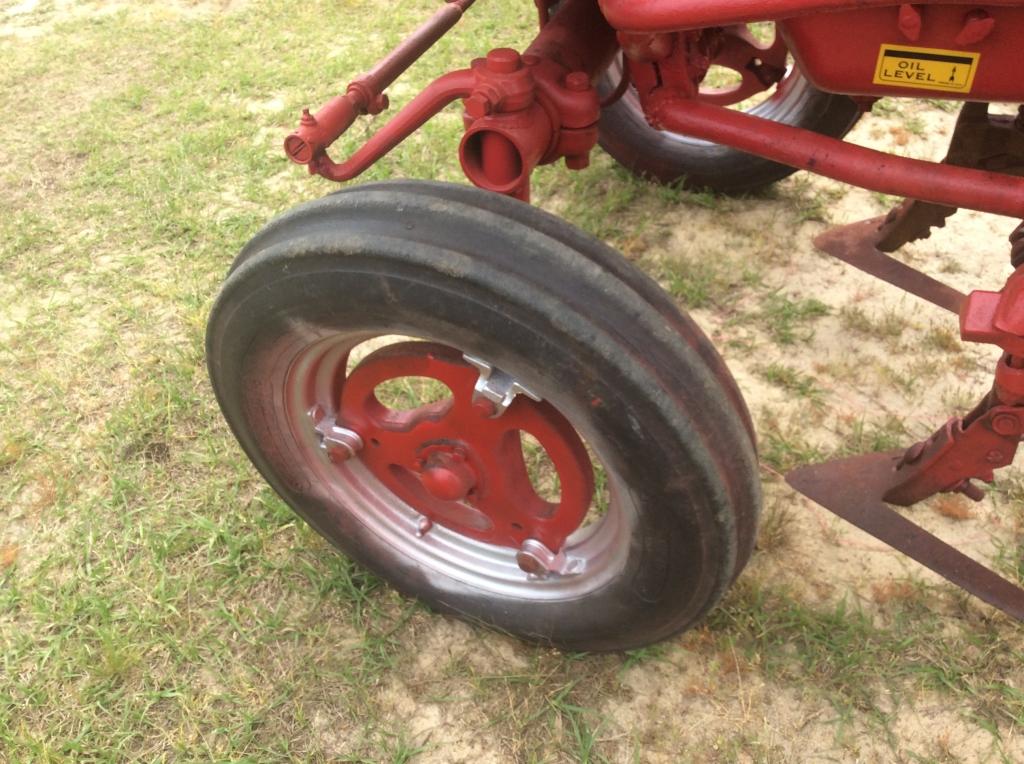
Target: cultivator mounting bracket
x=859 y=489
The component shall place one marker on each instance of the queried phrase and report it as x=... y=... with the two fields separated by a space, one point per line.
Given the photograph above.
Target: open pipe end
x=491 y=160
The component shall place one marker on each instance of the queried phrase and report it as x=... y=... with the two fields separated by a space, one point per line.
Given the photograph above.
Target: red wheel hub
x=446 y=475
x=455 y=462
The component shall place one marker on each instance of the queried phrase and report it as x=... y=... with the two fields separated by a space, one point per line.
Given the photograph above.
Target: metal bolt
x=1006 y=424
x=970 y=490
x=423 y=527
x=477 y=105
x=578 y=161
x=308 y=120
x=578 y=82
x=535 y=558
x=503 y=61
x=913 y=453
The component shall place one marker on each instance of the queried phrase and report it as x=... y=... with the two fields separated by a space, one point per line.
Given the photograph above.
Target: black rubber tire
x=563 y=313
x=673 y=159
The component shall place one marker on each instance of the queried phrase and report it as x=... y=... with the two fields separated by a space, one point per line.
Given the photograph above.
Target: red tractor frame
x=537 y=333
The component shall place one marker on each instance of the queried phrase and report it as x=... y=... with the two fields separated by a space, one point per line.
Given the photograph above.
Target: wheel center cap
x=447 y=476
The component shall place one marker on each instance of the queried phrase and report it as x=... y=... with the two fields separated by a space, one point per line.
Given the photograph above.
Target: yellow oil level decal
x=951 y=71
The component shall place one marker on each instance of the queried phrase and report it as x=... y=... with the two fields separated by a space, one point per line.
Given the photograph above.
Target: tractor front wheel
x=491 y=410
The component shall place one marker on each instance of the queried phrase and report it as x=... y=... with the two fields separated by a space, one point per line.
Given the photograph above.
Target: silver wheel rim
x=309 y=375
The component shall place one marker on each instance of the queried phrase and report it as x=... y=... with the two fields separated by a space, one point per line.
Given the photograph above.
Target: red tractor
x=543 y=340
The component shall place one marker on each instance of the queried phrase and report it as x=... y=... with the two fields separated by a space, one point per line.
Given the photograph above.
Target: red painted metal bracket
x=520 y=111
x=858 y=489
x=997 y=318
x=960 y=451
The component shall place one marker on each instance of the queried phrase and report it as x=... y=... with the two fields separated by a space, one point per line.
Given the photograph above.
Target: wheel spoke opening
x=404 y=394
x=540 y=469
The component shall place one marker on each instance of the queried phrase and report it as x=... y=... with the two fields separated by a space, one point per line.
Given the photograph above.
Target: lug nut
x=578 y=82
x=423 y=527
x=341 y=444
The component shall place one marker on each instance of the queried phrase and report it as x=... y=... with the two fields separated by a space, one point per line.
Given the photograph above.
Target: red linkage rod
x=365 y=95
x=997 y=193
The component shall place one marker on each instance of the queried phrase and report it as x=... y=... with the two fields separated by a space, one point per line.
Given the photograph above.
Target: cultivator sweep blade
x=857 y=244
x=854 y=488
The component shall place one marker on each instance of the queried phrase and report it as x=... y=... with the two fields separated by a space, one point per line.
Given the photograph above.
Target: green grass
x=854 y=657
x=789 y=320
x=158 y=602
x=890 y=325
x=705 y=280
x=792 y=381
